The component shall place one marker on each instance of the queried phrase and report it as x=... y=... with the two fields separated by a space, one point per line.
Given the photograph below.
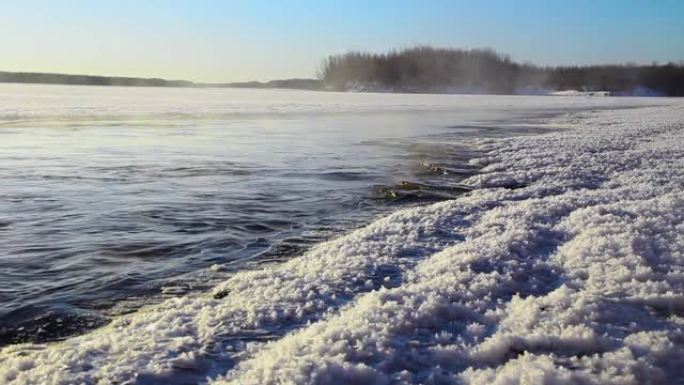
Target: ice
x=71 y=104
x=564 y=265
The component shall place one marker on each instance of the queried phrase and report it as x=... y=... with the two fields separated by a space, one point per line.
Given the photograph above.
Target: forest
x=448 y=70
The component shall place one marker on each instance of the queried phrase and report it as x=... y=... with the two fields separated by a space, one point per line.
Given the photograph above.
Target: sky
x=223 y=40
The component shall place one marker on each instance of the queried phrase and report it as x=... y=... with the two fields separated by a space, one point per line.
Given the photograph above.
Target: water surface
x=112 y=198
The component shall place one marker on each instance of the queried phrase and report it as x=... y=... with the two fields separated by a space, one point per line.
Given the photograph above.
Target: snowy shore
x=565 y=265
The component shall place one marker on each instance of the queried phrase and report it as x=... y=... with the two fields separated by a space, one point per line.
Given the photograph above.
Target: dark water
x=100 y=217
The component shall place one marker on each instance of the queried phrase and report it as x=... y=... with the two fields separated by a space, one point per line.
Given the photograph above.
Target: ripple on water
x=109 y=218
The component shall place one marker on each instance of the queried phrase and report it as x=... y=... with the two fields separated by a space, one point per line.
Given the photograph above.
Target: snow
x=565 y=265
x=579 y=93
x=27 y=103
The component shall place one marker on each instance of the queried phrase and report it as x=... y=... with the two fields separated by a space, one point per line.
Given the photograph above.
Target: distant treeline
x=89 y=80
x=427 y=69
x=298 y=84
x=45 y=78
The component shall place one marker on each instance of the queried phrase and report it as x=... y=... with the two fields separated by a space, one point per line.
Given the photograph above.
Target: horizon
x=316 y=77
x=239 y=41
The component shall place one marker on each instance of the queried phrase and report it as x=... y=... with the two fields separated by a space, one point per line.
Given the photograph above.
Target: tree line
x=93 y=80
x=428 y=69
x=48 y=78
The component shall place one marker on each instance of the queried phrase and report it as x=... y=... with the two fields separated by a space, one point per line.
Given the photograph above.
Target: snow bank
x=565 y=265
x=574 y=276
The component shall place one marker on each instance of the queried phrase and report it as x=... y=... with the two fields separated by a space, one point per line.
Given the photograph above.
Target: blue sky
x=213 y=40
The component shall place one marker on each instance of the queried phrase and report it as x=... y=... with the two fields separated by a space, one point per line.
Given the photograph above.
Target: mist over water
x=102 y=211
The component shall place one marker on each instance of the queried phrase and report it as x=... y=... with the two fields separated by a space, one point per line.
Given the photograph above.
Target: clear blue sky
x=214 y=40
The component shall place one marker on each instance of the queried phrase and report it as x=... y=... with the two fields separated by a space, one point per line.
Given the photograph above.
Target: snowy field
x=24 y=103
x=565 y=265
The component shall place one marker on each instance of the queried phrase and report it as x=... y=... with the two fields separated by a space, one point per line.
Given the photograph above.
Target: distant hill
x=47 y=78
x=91 y=80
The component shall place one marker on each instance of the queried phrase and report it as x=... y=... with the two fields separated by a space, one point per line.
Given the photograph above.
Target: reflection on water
x=98 y=217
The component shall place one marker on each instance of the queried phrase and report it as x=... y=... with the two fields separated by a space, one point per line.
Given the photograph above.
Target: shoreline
x=563 y=318
x=491 y=284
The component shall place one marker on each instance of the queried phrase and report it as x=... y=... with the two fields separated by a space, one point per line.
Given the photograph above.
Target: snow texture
x=564 y=266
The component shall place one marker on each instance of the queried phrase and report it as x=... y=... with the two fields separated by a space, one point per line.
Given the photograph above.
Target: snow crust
x=564 y=266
